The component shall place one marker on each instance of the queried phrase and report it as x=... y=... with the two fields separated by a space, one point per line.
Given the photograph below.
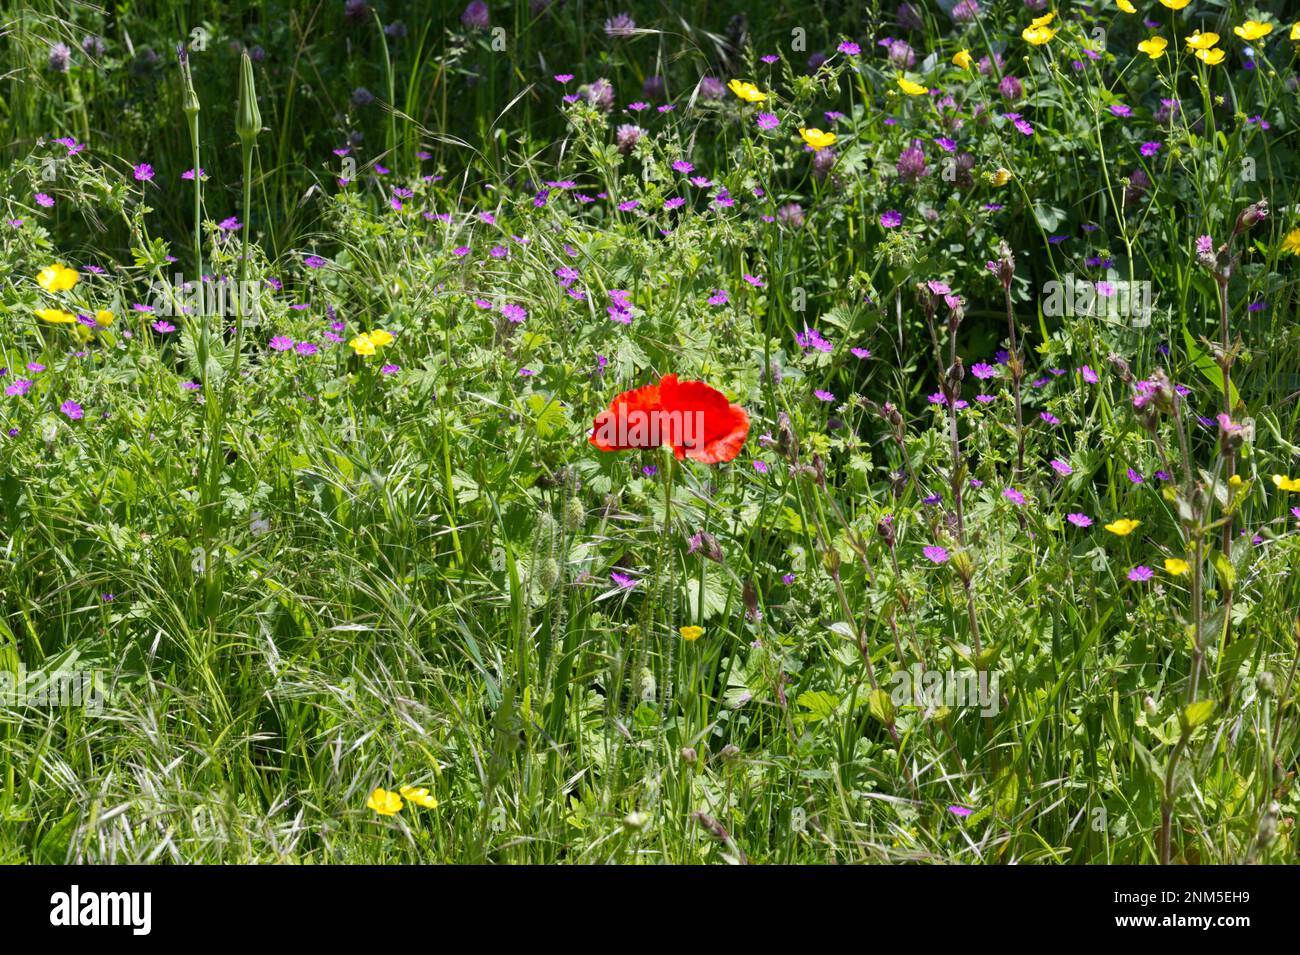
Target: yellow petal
x=419 y=795
x=1154 y=47
x=1253 y=30
x=1202 y=41
x=1211 y=57
x=1123 y=527
x=962 y=58
x=816 y=138
x=910 y=88
x=1177 y=567
x=1126 y=6
x=384 y=802
x=691 y=632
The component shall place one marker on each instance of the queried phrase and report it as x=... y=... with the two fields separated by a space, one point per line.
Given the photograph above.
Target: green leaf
x=1206 y=366
x=881 y=706
x=1194 y=714
x=820 y=705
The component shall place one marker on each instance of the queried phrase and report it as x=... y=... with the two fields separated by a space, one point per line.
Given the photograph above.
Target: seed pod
x=574 y=514
x=548 y=574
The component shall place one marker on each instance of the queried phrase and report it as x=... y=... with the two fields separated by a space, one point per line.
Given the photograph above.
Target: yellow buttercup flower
x=55 y=316
x=1154 y=47
x=1123 y=527
x=1212 y=57
x=419 y=795
x=910 y=88
x=1126 y=6
x=1175 y=4
x=366 y=343
x=962 y=58
x=1037 y=36
x=691 y=633
x=816 y=138
x=1202 y=41
x=1253 y=30
x=57 y=277
x=747 y=91
x=1295 y=31
x=1176 y=567
x=1044 y=20
x=1286 y=483
x=384 y=802
x=104 y=318
x=999 y=178
x=1292 y=242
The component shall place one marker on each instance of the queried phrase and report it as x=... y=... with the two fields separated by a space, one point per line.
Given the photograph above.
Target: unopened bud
x=248 y=118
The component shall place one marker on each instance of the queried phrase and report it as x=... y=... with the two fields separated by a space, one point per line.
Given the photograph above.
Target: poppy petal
x=607 y=435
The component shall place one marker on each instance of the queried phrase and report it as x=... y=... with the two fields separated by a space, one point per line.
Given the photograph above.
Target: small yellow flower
x=379 y=338
x=1202 y=41
x=747 y=91
x=1211 y=57
x=1001 y=177
x=1037 y=36
x=691 y=633
x=1175 y=4
x=419 y=795
x=384 y=802
x=362 y=345
x=1126 y=6
x=1176 y=567
x=1286 y=483
x=1292 y=242
x=1123 y=527
x=1044 y=20
x=1295 y=31
x=1253 y=30
x=910 y=88
x=962 y=58
x=55 y=316
x=104 y=318
x=57 y=277
x=1154 y=47
x=1235 y=481
x=816 y=138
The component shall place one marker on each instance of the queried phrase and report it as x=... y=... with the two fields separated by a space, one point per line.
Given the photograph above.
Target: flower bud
x=1251 y=216
x=1006 y=265
x=248 y=119
x=885 y=528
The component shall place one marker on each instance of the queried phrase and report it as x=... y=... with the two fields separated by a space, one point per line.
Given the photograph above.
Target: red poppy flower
x=693 y=418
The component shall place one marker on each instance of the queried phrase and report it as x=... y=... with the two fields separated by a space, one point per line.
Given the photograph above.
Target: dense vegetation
x=308 y=310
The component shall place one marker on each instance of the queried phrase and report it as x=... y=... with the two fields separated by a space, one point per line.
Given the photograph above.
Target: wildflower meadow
x=559 y=432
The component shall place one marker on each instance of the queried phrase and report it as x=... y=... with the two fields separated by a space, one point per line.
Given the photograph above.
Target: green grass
x=327 y=579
